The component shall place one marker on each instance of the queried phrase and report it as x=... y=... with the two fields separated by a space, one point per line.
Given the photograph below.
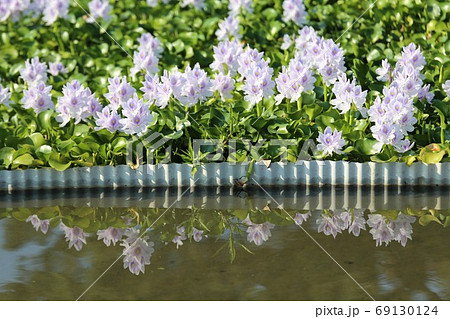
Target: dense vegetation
x=365 y=32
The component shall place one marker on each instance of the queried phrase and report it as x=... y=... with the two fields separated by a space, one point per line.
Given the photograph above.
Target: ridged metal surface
x=312 y=173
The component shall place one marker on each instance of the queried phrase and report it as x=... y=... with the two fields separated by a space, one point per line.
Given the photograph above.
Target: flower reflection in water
x=132 y=232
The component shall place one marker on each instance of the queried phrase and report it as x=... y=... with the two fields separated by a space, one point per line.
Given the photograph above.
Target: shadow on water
x=226 y=244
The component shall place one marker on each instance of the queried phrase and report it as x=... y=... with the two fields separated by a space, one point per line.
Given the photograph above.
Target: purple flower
x=99 y=9
x=384 y=72
x=108 y=119
x=150 y=44
x=74 y=104
x=37 y=97
x=446 y=88
x=287 y=42
x=43 y=225
x=258 y=233
x=34 y=71
x=295 y=11
x=228 y=28
x=150 y=87
x=327 y=226
x=119 y=92
x=5 y=95
x=300 y=218
x=197 y=4
x=380 y=229
x=75 y=236
x=137 y=253
x=110 y=235
x=13 y=9
x=425 y=94
x=346 y=93
x=144 y=60
x=235 y=6
x=55 y=9
x=330 y=142
x=226 y=55
x=181 y=235
x=223 y=84
x=358 y=222
x=137 y=116
x=57 y=68
x=197 y=234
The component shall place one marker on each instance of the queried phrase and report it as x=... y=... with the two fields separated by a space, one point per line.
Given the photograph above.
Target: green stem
x=299 y=103
x=325 y=92
x=231 y=119
x=288 y=106
x=443 y=126
x=258 y=109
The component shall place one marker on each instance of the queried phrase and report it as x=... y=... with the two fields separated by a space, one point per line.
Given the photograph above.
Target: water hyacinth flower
x=402 y=228
x=150 y=87
x=137 y=116
x=294 y=80
x=197 y=234
x=380 y=229
x=108 y=119
x=119 y=92
x=57 y=68
x=137 y=253
x=99 y=9
x=257 y=74
x=39 y=224
x=384 y=72
x=446 y=88
x=425 y=94
x=197 y=86
x=358 y=222
x=383 y=230
x=144 y=60
x=12 y=9
x=181 y=235
x=300 y=218
x=150 y=44
x=327 y=225
x=226 y=55
x=235 y=6
x=74 y=104
x=295 y=11
x=34 y=71
x=75 y=236
x=197 y=4
x=348 y=93
x=394 y=115
x=330 y=142
x=5 y=95
x=229 y=29
x=223 y=84
x=258 y=233
x=55 y=9
x=287 y=42
x=38 y=98
x=110 y=235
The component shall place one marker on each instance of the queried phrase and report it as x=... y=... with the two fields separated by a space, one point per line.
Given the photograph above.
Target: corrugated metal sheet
x=311 y=173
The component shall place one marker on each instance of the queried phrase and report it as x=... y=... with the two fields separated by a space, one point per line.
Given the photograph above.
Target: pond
x=226 y=244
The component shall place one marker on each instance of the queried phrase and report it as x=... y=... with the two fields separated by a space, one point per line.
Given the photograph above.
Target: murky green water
x=231 y=245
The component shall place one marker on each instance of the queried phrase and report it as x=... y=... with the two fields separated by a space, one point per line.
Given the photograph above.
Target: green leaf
x=59 y=163
x=367 y=146
x=426 y=219
x=25 y=160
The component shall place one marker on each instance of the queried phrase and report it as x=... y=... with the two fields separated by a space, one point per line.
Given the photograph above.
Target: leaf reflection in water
x=130 y=227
